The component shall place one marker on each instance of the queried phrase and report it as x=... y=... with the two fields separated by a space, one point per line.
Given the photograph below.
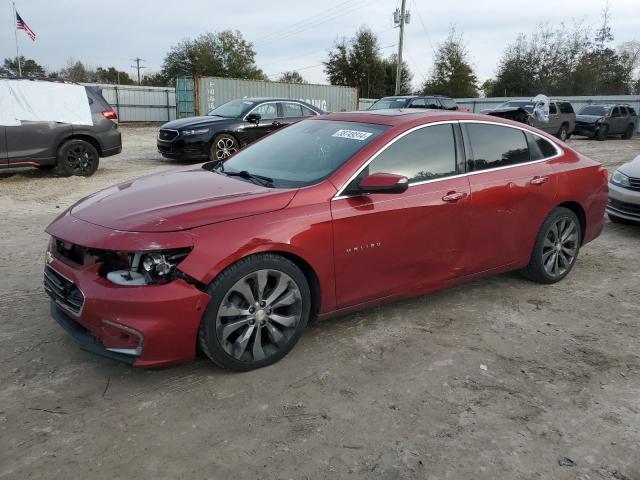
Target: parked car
x=229 y=127
x=624 y=193
x=601 y=121
x=237 y=256
x=437 y=102
x=71 y=149
x=562 y=118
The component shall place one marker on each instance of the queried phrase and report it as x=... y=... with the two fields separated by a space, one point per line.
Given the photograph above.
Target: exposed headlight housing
x=195 y=131
x=148 y=268
x=620 y=179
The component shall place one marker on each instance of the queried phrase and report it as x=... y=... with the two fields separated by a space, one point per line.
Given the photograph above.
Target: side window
x=449 y=103
x=565 y=107
x=307 y=112
x=615 y=112
x=418 y=103
x=432 y=103
x=632 y=112
x=267 y=111
x=623 y=112
x=539 y=147
x=496 y=146
x=291 y=110
x=553 y=109
x=424 y=154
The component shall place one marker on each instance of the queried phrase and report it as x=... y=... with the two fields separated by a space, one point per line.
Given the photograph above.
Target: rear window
x=449 y=103
x=389 y=103
x=496 y=146
x=565 y=107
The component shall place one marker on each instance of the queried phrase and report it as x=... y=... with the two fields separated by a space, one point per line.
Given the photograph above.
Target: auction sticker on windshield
x=352 y=134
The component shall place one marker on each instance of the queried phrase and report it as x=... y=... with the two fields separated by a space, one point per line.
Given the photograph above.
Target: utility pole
x=400 y=18
x=137 y=66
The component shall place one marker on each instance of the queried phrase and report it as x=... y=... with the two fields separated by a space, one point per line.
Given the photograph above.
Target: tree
x=487 y=87
x=111 y=75
x=390 y=70
x=76 y=71
x=155 y=80
x=452 y=73
x=291 y=77
x=357 y=63
x=221 y=54
x=30 y=68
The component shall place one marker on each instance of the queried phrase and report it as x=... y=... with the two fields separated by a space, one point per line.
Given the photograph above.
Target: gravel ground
x=500 y=378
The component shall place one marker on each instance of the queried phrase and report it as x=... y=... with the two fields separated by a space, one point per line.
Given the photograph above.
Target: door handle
x=454 y=196
x=539 y=180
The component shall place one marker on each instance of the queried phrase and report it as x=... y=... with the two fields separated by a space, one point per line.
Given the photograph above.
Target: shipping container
x=198 y=95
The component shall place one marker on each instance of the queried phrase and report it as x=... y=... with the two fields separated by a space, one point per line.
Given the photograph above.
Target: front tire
x=222 y=147
x=602 y=133
x=77 y=157
x=556 y=248
x=258 y=310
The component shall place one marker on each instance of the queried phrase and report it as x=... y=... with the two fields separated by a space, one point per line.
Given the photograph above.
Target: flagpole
x=15 y=31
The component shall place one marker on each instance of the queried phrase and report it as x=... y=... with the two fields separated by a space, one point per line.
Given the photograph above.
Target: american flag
x=21 y=25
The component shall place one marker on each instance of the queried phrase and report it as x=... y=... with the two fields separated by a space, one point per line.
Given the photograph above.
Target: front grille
x=635 y=183
x=167 y=135
x=63 y=291
x=624 y=207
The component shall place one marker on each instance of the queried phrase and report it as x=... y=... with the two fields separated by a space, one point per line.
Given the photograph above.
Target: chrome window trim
x=559 y=152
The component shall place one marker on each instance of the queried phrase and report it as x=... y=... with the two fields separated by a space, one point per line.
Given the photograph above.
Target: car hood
x=588 y=118
x=196 y=121
x=632 y=168
x=178 y=200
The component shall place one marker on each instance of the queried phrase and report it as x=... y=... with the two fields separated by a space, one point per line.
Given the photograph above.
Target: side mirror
x=253 y=118
x=384 y=183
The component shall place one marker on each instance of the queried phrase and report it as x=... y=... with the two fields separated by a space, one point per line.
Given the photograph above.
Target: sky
x=288 y=35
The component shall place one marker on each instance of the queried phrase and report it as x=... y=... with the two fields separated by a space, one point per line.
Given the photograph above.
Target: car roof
x=399 y=116
x=410 y=97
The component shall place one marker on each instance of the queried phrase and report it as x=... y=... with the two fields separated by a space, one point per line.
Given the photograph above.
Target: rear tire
x=556 y=248
x=563 y=133
x=77 y=157
x=628 y=134
x=602 y=133
x=258 y=310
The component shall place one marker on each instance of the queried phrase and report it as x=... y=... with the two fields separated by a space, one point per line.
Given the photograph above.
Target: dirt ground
x=497 y=379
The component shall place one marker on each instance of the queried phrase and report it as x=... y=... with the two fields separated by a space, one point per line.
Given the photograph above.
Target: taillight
x=110 y=114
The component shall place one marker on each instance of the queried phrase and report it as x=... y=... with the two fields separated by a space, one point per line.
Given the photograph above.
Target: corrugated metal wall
x=140 y=104
x=212 y=92
x=479 y=104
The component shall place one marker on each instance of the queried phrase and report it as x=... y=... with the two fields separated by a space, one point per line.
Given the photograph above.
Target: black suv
x=416 y=101
x=71 y=149
x=601 y=121
x=229 y=127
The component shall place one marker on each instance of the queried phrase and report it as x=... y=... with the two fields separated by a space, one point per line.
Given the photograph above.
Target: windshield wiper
x=260 y=179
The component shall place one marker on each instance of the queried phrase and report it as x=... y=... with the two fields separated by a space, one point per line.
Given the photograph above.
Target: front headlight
x=620 y=179
x=195 y=131
x=146 y=268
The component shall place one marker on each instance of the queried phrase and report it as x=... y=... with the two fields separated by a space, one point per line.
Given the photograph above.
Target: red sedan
x=332 y=214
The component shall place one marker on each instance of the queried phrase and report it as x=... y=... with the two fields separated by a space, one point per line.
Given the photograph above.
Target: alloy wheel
x=79 y=159
x=225 y=147
x=560 y=247
x=259 y=315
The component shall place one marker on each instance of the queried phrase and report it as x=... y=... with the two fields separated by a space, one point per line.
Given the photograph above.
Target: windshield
x=233 y=109
x=593 y=110
x=389 y=103
x=303 y=153
x=527 y=105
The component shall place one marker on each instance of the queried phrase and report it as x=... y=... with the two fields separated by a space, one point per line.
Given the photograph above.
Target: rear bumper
x=165 y=318
x=110 y=142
